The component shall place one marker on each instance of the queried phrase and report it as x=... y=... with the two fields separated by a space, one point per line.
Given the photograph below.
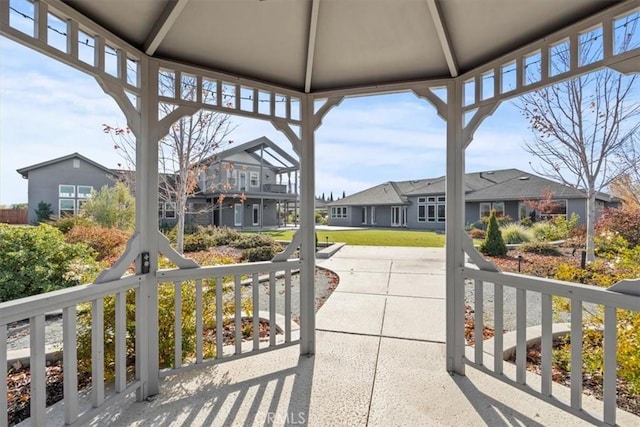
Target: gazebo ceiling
x=311 y=45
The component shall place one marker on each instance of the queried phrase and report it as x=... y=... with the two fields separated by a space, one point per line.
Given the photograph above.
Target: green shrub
x=107 y=242
x=540 y=248
x=247 y=241
x=493 y=244
x=67 y=222
x=262 y=253
x=515 y=233
x=559 y=228
x=197 y=242
x=34 y=260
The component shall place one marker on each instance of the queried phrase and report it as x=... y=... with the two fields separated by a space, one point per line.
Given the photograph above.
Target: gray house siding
x=44 y=183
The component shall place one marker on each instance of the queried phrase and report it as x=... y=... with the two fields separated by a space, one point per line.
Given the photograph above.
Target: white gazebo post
x=454 y=229
x=147 y=364
x=307 y=228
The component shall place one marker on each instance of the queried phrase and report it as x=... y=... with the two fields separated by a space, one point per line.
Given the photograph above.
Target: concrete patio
x=380 y=361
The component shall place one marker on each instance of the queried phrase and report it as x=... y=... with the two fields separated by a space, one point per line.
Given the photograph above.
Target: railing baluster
x=272 y=308
x=255 y=288
x=219 y=320
x=237 y=288
x=610 y=365
x=3 y=372
x=521 y=336
x=199 y=321
x=177 y=324
x=37 y=370
x=478 y=315
x=576 y=353
x=70 y=364
x=97 y=352
x=287 y=305
x=121 y=341
x=547 y=343
x=498 y=326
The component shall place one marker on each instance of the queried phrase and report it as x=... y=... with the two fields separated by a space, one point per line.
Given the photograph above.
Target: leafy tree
x=111 y=207
x=331 y=197
x=344 y=194
x=20 y=206
x=583 y=126
x=43 y=212
x=185 y=152
x=493 y=244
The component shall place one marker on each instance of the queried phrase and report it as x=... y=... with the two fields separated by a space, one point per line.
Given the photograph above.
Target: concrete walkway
x=380 y=361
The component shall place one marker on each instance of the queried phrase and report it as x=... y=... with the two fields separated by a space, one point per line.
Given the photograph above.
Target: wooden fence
x=13 y=216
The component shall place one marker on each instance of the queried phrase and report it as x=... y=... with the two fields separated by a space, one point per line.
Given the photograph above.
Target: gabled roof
x=505 y=184
x=25 y=171
x=274 y=157
x=383 y=194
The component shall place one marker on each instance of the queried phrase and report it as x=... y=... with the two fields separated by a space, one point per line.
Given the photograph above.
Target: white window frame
x=85 y=195
x=492 y=206
x=373 y=215
x=396 y=216
x=172 y=204
x=66 y=195
x=254 y=177
x=364 y=215
x=547 y=216
x=431 y=212
x=238 y=213
x=483 y=208
x=60 y=210
x=242 y=181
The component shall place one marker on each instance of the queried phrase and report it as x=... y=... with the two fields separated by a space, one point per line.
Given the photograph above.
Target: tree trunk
x=180 y=212
x=591 y=224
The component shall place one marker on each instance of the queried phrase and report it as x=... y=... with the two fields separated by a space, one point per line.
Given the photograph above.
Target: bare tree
x=184 y=153
x=582 y=126
x=627 y=185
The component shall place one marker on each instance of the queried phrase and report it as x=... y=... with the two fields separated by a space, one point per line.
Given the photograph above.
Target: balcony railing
x=579 y=297
x=274 y=188
x=236 y=279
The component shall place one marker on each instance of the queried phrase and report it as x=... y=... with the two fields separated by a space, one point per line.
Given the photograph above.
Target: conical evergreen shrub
x=493 y=244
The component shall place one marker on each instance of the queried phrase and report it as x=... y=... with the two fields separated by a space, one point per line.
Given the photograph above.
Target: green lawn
x=371 y=237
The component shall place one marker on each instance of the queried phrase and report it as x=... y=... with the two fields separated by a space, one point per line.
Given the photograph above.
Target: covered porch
x=305 y=59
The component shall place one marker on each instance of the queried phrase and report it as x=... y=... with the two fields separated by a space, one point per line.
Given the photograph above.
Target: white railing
x=578 y=295
x=234 y=285
x=34 y=309
x=230 y=281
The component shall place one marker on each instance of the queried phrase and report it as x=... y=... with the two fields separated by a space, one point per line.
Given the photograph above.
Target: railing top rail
x=176 y=274
x=587 y=293
x=23 y=308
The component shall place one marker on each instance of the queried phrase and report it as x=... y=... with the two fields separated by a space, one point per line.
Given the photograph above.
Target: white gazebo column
x=454 y=229
x=307 y=229
x=147 y=364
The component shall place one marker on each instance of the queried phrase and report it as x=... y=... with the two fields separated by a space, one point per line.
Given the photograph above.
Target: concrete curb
x=533 y=334
x=329 y=251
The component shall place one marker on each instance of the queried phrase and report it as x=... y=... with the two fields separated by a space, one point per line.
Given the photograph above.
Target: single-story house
x=246 y=186
x=420 y=204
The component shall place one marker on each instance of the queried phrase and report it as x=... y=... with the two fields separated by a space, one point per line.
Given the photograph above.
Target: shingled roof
x=505 y=184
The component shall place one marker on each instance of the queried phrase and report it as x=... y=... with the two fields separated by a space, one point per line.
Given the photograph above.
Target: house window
x=242 y=180
x=79 y=205
x=431 y=209
x=373 y=215
x=66 y=191
x=555 y=209
x=170 y=210
x=254 y=181
x=364 y=215
x=66 y=207
x=339 y=212
x=231 y=177
x=84 y=191
x=160 y=210
x=76 y=163
x=237 y=214
x=487 y=207
x=256 y=215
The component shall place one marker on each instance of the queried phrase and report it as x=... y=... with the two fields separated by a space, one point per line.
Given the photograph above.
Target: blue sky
x=48 y=110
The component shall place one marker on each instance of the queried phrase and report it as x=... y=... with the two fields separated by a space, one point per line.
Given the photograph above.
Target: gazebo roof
x=316 y=45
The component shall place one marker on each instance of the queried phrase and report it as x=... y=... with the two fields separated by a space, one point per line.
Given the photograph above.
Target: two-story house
x=247 y=186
